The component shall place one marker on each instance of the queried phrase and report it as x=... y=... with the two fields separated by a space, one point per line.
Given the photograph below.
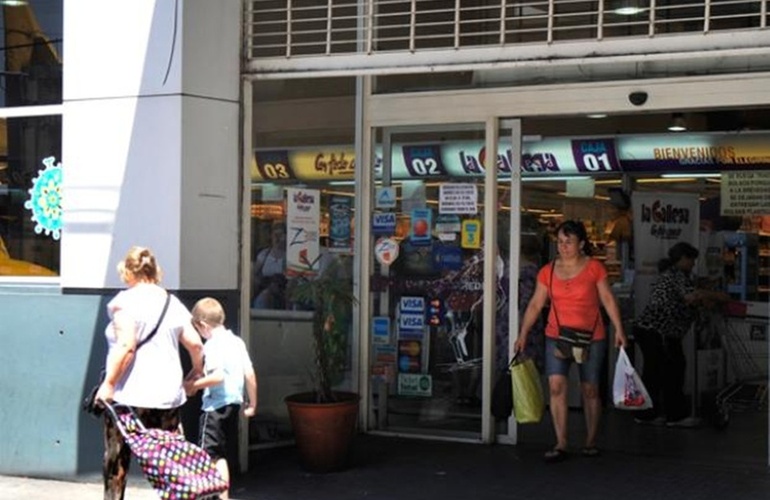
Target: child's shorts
x=216 y=427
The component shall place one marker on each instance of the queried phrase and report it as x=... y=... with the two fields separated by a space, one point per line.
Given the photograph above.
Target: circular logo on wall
x=45 y=199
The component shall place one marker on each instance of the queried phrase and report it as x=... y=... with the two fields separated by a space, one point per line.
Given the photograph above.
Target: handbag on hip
x=573 y=343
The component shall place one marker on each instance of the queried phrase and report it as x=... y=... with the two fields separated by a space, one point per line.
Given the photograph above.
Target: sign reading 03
x=307 y=164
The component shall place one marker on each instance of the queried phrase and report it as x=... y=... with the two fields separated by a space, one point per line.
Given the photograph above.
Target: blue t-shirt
x=225 y=351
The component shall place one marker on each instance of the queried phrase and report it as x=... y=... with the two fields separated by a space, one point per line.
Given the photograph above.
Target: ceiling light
x=666 y=180
x=543 y=178
x=597 y=116
x=696 y=175
x=13 y=3
x=628 y=8
x=678 y=123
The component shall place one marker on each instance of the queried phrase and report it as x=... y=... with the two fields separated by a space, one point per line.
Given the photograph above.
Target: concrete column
x=151 y=140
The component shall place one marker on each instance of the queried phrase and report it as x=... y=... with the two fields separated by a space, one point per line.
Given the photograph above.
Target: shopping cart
x=745 y=347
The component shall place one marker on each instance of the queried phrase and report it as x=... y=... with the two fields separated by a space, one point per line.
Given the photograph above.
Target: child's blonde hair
x=208 y=310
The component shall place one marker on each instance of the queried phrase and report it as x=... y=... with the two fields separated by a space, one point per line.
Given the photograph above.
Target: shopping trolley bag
x=176 y=468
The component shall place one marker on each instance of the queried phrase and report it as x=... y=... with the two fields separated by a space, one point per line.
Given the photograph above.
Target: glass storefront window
x=32 y=53
x=30 y=196
x=274 y=265
x=299 y=230
x=30 y=147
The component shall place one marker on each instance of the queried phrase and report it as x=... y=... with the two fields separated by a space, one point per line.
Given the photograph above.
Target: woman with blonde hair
x=143 y=369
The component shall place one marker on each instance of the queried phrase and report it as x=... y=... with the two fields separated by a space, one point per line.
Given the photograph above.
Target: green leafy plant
x=329 y=295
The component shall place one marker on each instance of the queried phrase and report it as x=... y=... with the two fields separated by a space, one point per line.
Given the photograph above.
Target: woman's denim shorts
x=590 y=370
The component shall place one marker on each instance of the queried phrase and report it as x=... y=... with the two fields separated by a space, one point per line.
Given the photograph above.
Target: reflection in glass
x=30 y=196
x=31 y=56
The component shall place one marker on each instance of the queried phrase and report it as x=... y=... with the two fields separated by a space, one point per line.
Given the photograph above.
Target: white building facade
x=181 y=125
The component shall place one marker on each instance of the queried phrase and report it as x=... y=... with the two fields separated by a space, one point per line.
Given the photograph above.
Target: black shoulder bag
x=89 y=403
x=572 y=342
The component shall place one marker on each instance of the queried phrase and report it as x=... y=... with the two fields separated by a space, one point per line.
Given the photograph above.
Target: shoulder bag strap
x=550 y=293
x=157 y=325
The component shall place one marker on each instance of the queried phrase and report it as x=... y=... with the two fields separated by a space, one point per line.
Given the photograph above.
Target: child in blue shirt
x=227 y=370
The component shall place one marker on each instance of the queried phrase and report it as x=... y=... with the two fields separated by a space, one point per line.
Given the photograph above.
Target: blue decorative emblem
x=45 y=199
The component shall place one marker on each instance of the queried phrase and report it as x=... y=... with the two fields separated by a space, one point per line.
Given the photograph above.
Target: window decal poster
x=420 y=226
x=45 y=198
x=386 y=250
x=471 y=234
x=660 y=220
x=303 y=223
x=386 y=197
x=745 y=192
x=340 y=238
x=458 y=199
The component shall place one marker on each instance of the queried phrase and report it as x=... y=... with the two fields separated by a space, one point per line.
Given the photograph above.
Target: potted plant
x=324 y=420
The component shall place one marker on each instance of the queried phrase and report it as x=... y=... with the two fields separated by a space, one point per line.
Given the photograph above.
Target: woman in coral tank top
x=577 y=287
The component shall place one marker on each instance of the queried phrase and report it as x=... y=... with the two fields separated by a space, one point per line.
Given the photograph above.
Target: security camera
x=637 y=98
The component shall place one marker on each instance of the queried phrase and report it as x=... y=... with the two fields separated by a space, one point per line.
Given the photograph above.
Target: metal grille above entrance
x=374 y=35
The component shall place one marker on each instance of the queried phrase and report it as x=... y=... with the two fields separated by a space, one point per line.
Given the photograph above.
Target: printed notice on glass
x=458 y=199
x=745 y=192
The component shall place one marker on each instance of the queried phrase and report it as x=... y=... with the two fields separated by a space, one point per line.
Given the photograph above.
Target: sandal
x=590 y=451
x=555 y=455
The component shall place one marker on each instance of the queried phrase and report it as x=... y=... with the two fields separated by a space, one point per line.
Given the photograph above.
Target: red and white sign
x=386 y=251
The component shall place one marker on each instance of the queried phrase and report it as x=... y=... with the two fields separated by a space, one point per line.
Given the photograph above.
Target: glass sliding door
x=427 y=334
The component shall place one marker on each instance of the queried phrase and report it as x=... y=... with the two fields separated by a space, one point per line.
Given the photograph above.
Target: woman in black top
x=659 y=332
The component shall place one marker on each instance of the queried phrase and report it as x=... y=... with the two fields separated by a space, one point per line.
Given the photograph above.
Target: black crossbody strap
x=553 y=303
x=550 y=293
x=157 y=325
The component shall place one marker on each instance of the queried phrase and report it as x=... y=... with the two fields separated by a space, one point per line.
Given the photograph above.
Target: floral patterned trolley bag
x=176 y=468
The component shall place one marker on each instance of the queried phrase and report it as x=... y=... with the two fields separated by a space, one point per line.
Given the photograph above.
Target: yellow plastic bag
x=528 y=402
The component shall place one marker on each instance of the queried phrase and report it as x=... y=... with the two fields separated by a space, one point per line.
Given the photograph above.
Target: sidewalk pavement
x=390 y=468
x=45 y=489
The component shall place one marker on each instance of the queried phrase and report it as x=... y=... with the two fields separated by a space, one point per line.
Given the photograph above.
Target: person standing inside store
x=143 y=369
x=228 y=371
x=659 y=330
x=269 y=279
x=577 y=288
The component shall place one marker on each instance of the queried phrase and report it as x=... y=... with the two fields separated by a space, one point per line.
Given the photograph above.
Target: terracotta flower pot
x=323 y=431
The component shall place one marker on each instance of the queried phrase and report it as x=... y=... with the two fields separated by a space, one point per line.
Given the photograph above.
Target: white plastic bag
x=628 y=392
